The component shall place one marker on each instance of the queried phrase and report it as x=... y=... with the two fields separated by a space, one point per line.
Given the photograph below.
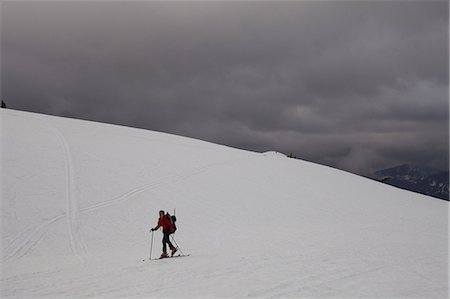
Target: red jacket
x=166 y=224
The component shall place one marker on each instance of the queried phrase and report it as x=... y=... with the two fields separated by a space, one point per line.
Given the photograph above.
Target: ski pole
x=151 y=248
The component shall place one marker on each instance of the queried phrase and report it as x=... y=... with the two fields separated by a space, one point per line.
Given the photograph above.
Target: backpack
x=173 y=219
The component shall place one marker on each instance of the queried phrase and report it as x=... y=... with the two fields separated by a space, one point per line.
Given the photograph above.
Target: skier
x=168 y=228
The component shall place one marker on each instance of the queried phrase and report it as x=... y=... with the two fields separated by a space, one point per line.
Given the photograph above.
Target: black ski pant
x=166 y=240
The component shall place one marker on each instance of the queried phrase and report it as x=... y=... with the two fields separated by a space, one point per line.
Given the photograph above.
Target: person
x=166 y=223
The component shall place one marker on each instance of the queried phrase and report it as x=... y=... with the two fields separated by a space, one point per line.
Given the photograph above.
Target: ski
x=169 y=257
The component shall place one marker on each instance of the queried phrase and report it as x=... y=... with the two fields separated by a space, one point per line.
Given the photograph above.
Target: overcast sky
x=357 y=85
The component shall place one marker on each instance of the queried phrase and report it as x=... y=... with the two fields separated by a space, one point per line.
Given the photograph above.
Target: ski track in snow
x=30 y=238
x=24 y=242
x=76 y=241
x=153 y=185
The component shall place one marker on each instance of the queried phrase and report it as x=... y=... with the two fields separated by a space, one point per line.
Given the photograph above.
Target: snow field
x=78 y=199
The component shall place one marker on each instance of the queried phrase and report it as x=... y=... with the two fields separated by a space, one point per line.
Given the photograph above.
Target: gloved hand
x=152 y=229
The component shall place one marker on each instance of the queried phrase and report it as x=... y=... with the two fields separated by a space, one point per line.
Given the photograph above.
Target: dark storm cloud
x=356 y=85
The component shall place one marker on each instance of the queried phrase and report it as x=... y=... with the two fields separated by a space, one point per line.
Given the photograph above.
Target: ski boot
x=174 y=250
x=163 y=255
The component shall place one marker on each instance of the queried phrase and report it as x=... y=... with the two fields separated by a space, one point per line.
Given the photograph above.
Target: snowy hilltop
x=78 y=200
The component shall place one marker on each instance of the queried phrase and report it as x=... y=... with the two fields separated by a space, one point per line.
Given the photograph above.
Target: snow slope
x=79 y=197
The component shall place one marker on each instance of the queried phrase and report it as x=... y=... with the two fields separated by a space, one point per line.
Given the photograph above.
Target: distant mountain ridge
x=415 y=178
